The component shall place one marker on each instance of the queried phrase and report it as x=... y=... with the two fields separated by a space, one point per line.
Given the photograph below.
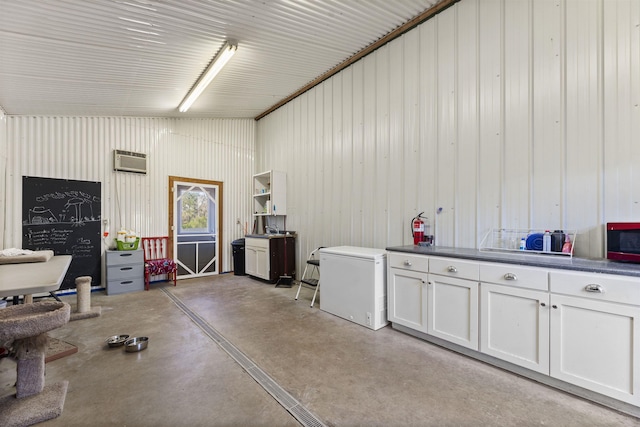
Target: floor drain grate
x=288 y=402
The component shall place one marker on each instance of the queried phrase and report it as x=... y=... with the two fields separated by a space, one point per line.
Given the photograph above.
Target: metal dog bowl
x=136 y=344
x=117 y=340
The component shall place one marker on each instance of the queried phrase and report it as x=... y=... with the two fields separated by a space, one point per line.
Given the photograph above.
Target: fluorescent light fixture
x=212 y=70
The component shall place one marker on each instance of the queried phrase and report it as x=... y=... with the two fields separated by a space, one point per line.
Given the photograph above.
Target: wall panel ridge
x=3 y=173
x=493 y=114
x=81 y=148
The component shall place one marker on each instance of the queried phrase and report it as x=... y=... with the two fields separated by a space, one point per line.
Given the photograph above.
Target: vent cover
x=128 y=161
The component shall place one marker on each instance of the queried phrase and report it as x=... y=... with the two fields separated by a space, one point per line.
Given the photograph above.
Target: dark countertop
x=270 y=236
x=598 y=265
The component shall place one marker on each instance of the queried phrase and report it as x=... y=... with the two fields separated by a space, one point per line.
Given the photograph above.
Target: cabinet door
x=282 y=257
x=596 y=345
x=407 y=298
x=262 y=263
x=514 y=325
x=453 y=310
x=250 y=260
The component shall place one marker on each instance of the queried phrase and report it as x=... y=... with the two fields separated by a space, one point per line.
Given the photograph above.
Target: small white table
x=33 y=277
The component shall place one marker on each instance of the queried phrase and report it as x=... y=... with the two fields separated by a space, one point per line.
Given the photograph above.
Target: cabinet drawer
x=125 y=271
x=605 y=287
x=408 y=261
x=454 y=267
x=125 y=285
x=257 y=243
x=513 y=275
x=123 y=257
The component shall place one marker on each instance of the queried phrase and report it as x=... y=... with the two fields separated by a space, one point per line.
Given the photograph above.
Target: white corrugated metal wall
x=514 y=114
x=3 y=165
x=81 y=148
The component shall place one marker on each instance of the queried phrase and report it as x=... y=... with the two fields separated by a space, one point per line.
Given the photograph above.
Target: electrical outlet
x=368 y=318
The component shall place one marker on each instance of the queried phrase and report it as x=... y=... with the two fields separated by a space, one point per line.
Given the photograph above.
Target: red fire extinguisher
x=417 y=228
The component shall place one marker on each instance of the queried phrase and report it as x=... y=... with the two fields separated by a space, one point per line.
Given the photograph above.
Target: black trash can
x=237 y=246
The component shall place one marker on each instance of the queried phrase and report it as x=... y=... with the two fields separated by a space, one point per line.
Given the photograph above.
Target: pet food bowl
x=136 y=344
x=117 y=340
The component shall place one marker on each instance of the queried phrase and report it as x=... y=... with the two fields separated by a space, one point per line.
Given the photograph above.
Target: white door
x=514 y=325
x=407 y=298
x=453 y=310
x=195 y=228
x=596 y=345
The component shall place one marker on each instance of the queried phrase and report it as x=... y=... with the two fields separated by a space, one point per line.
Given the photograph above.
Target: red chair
x=156 y=260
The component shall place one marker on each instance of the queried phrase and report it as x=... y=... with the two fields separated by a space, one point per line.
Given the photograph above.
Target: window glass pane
x=194 y=211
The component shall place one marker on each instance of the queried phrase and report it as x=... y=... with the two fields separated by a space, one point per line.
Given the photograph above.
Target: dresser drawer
x=125 y=271
x=125 y=285
x=606 y=287
x=123 y=257
x=408 y=261
x=256 y=242
x=454 y=267
x=514 y=275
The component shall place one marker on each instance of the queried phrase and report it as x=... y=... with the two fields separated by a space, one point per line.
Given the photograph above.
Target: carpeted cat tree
x=23 y=328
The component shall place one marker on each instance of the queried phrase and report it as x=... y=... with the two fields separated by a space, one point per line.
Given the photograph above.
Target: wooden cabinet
x=595 y=333
x=270 y=258
x=407 y=290
x=124 y=271
x=514 y=315
x=269 y=193
x=453 y=301
x=282 y=257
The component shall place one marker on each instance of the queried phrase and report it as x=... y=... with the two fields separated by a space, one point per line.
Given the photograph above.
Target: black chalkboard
x=65 y=216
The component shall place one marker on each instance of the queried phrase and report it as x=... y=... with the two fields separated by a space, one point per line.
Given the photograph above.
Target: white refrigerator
x=354 y=284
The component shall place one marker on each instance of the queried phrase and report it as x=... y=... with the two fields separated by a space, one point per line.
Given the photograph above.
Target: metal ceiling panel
x=141 y=57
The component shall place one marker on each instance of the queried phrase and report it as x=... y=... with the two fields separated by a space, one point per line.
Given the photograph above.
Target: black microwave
x=623 y=241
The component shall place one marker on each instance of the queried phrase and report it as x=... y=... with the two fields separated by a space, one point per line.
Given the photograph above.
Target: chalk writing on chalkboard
x=64 y=216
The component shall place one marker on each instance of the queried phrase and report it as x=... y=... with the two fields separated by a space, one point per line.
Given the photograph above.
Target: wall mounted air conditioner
x=128 y=161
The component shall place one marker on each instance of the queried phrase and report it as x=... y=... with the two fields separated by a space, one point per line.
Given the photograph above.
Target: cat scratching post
x=23 y=328
x=83 y=308
x=83 y=288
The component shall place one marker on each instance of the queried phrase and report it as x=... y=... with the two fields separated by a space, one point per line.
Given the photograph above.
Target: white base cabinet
x=256 y=254
x=514 y=314
x=515 y=325
x=573 y=328
x=595 y=333
x=453 y=310
x=596 y=345
x=453 y=301
x=407 y=298
x=444 y=305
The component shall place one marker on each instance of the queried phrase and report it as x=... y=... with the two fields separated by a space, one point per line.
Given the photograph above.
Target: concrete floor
x=343 y=373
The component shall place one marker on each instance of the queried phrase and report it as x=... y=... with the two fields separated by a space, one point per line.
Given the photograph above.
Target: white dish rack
x=508 y=240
